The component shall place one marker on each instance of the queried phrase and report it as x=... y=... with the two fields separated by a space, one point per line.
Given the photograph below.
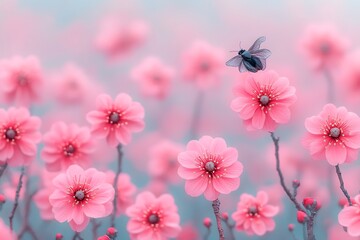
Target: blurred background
x=88 y=47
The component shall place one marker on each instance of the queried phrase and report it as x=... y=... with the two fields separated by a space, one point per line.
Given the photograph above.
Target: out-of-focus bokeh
x=170 y=56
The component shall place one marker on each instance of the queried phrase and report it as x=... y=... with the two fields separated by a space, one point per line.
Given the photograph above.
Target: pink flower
x=80 y=195
x=323 y=46
x=188 y=231
x=254 y=214
x=349 y=217
x=116 y=120
x=117 y=39
x=6 y=232
x=163 y=162
x=21 y=80
x=20 y=136
x=333 y=135
x=126 y=190
x=65 y=145
x=203 y=64
x=154 y=77
x=9 y=187
x=153 y=218
x=263 y=100
x=209 y=167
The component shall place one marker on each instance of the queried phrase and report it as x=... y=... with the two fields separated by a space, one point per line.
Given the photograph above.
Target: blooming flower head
x=209 y=167
x=117 y=39
x=80 y=195
x=116 y=119
x=154 y=77
x=20 y=134
x=254 y=215
x=263 y=100
x=349 y=217
x=153 y=218
x=333 y=135
x=21 y=79
x=163 y=162
x=324 y=46
x=65 y=145
x=203 y=64
x=125 y=191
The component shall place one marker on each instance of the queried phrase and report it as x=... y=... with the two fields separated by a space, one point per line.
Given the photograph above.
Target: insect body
x=251 y=60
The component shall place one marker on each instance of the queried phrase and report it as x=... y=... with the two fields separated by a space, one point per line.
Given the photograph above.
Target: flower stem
x=95 y=227
x=342 y=185
x=77 y=236
x=16 y=203
x=120 y=155
x=216 y=208
x=26 y=226
x=3 y=168
x=230 y=228
x=330 y=84
x=196 y=114
x=207 y=234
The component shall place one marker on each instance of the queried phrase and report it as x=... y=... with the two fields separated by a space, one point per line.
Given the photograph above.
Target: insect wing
x=242 y=67
x=250 y=67
x=262 y=54
x=235 y=61
x=257 y=43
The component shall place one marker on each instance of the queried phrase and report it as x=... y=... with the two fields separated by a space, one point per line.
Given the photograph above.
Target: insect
x=251 y=60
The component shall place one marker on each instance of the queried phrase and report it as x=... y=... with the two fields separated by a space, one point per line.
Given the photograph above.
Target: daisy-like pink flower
x=209 y=167
x=154 y=77
x=126 y=191
x=20 y=135
x=349 y=217
x=254 y=215
x=21 y=80
x=333 y=135
x=323 y=46
x=6 y=232
x=203 y=64
x=263 y=100
x=153 y=218
x=67 y=144
x=163 y=162
x=116 y=119
x=80 y=195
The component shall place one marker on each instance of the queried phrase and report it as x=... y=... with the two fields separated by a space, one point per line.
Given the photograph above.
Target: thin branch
x=230 y=228
x=16 y=203
x=342 y=185
x=95 y=227
x=216 y=208
x=194 y=125
x=119 y=167
x=77 y=236
x=3 y=168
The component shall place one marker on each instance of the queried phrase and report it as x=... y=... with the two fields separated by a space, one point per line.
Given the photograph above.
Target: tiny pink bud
x=308 y=203
x=207 y=222
x=296 y=183
x=111 y=232
x=301 y=216
x=225 y=216
x=105 y=237
x=58 y=236
x=291 y=227
x=2 y=199
x=343 y=202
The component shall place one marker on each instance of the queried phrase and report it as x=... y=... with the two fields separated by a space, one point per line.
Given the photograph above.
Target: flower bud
x=207 y=222
x=291 y=227
x=296 y=183
x=225 y=216
x=111 y=232
x=301 y=216
x=309 y=202
x=105 y=237
x=59 y=236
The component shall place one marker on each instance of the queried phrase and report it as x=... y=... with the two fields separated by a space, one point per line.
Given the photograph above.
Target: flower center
x=204 y=66
x=210 y=166
x=325 y=48
x=264 y=100
x=69 y=150
x=22 y=79
x=153 y=218
x=79 y=195
x=10 y=134
x=335 y=132
x=114 y=118
x=252 y=210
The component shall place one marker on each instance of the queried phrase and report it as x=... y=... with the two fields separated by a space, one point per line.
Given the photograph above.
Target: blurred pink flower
x=153 y=218
x=116 y=120
x=126 y=191
x=323 y=46
x=9 y=187
x=154 y=77
x=349 y=217
x=209 y=167
x=336 y=232
x=6 y=232
x=188 y=232
x=20 y=136
x=67 y=144
x=254 y=214
x=41 y=198
x=333 y=135
x=118 y=38
x=21 y=80
x=163 y=162
x=263 y=100
x=80 y=195
x=203 y=64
